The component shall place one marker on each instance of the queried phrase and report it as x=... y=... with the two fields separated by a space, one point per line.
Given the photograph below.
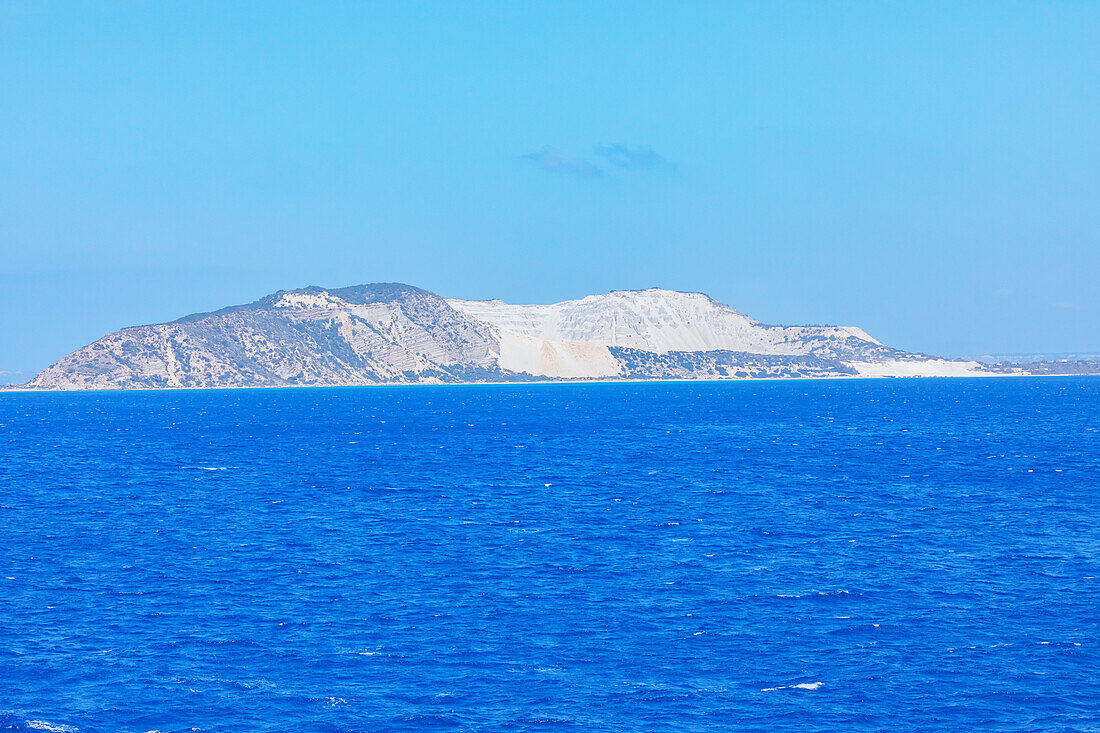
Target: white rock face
x=555 y=359
x=394 y=333
x=652 y=320
x=308 y=301
x=919 y=368
x=563 y=339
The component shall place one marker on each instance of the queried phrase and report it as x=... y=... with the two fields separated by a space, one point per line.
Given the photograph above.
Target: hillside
x=392 y=333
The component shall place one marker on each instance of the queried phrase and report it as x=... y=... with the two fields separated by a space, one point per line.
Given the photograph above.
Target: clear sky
x=928 y=171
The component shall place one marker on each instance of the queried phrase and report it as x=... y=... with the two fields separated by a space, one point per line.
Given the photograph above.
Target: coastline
x=533 y=382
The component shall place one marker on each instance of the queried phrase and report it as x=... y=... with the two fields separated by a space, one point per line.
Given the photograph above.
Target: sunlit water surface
x=755 y=556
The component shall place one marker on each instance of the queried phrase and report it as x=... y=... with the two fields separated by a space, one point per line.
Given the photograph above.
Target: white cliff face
x=393 y=333
x=556 y=359
x=652 y=320
x=919 y=368
x=533 y=337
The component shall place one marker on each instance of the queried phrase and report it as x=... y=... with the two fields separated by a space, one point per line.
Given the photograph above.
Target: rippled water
x=836 y=555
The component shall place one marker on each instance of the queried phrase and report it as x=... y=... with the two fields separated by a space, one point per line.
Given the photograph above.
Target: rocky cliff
x=394 y=333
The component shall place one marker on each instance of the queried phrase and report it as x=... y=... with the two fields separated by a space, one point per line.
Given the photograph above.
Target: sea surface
x=753 y=556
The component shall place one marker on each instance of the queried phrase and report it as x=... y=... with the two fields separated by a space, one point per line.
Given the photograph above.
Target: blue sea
x=856 y=555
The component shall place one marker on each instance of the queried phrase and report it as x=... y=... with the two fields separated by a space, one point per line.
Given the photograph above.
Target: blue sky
x=928 y=171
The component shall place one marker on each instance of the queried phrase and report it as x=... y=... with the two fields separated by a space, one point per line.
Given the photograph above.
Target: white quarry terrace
x=653 y=320
x=569 y=339
x=395 y=333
